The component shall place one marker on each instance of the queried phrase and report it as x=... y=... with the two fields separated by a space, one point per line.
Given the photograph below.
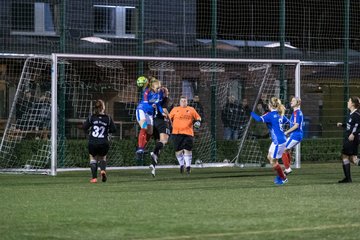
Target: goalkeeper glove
x=197 y=124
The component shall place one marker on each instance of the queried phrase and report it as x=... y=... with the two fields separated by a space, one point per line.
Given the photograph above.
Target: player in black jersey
x=161 y=128
x=98 y=126
x=351 y=140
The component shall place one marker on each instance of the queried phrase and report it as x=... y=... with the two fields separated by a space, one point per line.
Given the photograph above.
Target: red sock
x=286 y=159
x=279 y=171
x=142 y=138
x=289 y=157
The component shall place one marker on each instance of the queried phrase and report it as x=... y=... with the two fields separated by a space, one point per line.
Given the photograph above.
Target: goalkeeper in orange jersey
x=184 y=118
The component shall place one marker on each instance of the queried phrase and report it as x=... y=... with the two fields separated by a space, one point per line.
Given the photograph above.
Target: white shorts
x=290 y=143
x=141 y=115
x=276 y=150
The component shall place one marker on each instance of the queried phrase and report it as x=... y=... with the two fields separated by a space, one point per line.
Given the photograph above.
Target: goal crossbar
x=54 y=76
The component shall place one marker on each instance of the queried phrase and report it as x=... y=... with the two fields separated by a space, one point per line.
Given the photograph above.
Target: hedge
x=123 y=152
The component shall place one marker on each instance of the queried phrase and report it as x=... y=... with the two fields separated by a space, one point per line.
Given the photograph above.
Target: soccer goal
x=55 y=94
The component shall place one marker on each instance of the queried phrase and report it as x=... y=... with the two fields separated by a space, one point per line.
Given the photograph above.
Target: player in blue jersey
x=295 y=131
x=98 y=125
x=149 y=104
x=273 y=120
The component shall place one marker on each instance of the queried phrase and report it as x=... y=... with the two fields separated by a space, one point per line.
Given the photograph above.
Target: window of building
x=34 y=18
x=115 y=21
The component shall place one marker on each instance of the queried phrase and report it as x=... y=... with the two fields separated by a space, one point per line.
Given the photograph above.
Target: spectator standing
x=195 y=103
x=230 y=117
x=244 y=112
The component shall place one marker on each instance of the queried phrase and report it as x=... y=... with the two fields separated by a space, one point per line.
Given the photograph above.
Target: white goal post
x=56 y=57
x=55 y=94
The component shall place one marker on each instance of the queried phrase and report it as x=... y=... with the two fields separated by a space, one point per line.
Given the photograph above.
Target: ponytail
x=275 y=103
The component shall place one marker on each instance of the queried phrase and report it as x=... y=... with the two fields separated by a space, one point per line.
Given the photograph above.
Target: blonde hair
x=298 y=101
x=99 y=106
x=153 y=81
x=275 y=103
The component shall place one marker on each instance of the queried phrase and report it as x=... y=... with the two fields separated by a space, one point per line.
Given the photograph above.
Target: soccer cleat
x=281 y=182
x=345 y=180
x=287 y=171
x=140 y=151
x=152 y=168
x=93 y=180
x=103 y=176
x=154 y=158
x=277 y=179
x=182 y=169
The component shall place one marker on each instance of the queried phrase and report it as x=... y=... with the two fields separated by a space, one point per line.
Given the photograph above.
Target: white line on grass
x=201 y=236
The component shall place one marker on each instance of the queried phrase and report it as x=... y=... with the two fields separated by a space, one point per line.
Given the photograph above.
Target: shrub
x=76 y=153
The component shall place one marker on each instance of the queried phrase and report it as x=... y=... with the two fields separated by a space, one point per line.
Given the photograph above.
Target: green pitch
x=213 y=203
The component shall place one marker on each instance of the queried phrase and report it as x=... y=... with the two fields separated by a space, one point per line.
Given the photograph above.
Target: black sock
x=347 y=173
x=158 y=147
x=102 y=165
x=93 y=167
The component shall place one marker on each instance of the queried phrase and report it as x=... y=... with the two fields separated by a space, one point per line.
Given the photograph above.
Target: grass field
x=213 y=203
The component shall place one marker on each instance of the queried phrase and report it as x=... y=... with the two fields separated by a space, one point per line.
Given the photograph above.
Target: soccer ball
x=141 y=81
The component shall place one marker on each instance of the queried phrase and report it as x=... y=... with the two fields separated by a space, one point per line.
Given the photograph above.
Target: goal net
x=55 y=96
x=29 y=120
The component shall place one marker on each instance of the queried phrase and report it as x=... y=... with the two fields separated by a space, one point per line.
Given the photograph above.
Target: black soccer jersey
x=99 y=126
x=164 y=104
x=353 y=124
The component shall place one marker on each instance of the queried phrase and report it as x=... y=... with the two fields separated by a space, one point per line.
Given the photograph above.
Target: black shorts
x=350 y=148
x=182 y=141
x=98 y=149
x=160 y=126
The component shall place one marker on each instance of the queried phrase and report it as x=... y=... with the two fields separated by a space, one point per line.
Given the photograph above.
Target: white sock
x=188 y=159
x=180 y=158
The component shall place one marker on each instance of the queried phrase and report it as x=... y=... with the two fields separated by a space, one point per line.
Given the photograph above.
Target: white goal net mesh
x=223 y=93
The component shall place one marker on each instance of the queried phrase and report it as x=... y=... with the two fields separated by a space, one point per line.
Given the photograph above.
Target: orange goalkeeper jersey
x=182 y=120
